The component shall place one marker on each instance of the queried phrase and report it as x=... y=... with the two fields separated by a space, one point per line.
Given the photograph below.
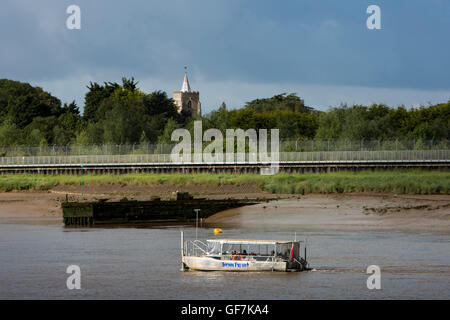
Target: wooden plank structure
x=136 y=212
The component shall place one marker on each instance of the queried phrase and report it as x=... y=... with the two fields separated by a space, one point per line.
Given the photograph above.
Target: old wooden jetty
x=183 y=209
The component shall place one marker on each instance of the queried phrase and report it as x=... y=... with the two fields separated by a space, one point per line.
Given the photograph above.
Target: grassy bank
x=399 y=181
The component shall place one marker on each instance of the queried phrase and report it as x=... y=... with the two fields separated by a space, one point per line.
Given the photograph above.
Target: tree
x=45 y=125
x=22 y=103
x=217 y=119
x=122 y=113
x=158 y=109
x=35 y=137
x=71 y=108
x=94 y=97
x=285 y=102
x=10 y=133
x=123 y=123
x=129 y=84
x=157 y=103
x=166 y=136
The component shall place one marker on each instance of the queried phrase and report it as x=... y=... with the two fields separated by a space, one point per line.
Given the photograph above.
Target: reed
x=398 y=181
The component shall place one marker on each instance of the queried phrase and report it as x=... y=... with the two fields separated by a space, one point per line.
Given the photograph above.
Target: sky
x=235 y=50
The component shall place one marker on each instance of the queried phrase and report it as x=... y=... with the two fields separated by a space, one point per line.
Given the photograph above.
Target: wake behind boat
x=243 y=255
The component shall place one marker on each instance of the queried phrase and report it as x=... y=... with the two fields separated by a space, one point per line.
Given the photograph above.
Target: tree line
x=121 y=113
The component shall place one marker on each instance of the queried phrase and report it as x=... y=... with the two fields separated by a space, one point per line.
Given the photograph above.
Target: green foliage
x=82 y=138
x=30 y=116
x=158 y=110
x=35 y=137
x=165 y=138
x=123 y=114
x=123 y=123
x=21 y=102
x=283 y=102
x=286 y=113
x=400 y=182
x=96 y=94
x=10 y=133
x=46 y=126
x=379 y=122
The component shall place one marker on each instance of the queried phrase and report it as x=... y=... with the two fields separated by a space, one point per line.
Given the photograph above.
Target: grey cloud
x=256 y=42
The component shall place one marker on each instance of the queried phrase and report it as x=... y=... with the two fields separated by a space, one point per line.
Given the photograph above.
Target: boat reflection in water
x=243 y=255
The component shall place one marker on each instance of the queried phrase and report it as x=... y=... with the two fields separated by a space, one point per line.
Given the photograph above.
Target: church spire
x=186 y=100
x=185 y=87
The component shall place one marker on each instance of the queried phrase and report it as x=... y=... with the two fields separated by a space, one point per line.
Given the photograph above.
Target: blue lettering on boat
x=236 y=264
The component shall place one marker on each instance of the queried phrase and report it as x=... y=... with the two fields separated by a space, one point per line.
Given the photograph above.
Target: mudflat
x=349 y=211
x=353 y=211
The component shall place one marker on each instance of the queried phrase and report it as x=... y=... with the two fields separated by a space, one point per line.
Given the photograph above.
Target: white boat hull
x=205 y=263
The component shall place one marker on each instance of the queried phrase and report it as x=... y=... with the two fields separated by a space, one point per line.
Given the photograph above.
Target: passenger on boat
x=238 y=257
x=244 y=253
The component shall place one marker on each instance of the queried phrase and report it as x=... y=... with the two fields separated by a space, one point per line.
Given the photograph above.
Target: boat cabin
x=226 y=248
x=244 y=255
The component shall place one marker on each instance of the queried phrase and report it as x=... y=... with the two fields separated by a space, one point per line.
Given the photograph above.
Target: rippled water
x=131 y=263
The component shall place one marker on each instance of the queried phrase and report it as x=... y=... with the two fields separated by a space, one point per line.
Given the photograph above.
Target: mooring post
x=81 y=182
x=196 y=223
x=306 y=243
x=182 y=250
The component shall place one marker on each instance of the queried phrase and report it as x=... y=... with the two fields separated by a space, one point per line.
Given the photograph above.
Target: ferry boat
x=243 y=255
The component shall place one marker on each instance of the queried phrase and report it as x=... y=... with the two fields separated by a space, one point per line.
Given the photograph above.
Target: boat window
x=229 y=248
x=284 y=250
x=253 y=249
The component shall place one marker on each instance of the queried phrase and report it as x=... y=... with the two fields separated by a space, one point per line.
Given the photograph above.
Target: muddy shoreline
x=359 y=211
x=349 y=211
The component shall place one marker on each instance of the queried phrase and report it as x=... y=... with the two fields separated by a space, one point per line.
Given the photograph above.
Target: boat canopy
x=253 y=242
x=279 y=248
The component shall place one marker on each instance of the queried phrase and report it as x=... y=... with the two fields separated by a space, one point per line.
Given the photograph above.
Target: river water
x=144 y=263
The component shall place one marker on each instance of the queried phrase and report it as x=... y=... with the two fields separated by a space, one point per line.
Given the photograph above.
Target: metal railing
x=298 y=145
x=195 y=247
x=360 y=156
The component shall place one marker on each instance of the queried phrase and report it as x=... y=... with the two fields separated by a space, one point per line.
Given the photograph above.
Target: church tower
x=186 y=100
